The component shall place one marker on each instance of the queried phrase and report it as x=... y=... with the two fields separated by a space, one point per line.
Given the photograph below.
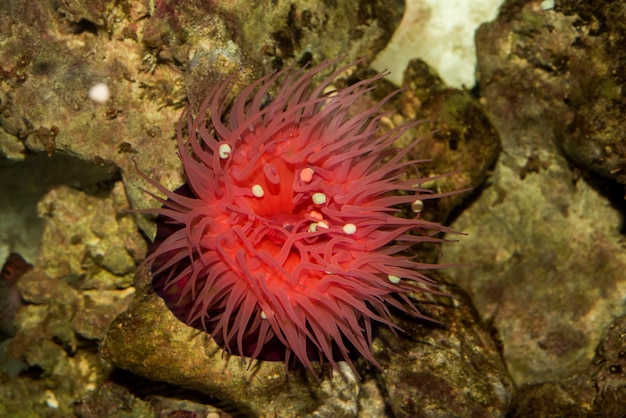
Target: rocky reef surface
x=535 y=325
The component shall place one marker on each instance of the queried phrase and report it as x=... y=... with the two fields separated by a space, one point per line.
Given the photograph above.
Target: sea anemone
x=286 y=243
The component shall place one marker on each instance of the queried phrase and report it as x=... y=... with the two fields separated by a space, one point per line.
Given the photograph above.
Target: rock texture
x=156 y=57
x=545 y=238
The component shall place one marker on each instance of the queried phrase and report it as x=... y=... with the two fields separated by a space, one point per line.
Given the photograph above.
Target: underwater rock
x=149 y=341
x=10 y=300
x=594 y=64
x=69 y=299
x=609 y=370
x=457 y=135
x=598 y=391
x=451 y=369
x=153 y=57
x=548 y=274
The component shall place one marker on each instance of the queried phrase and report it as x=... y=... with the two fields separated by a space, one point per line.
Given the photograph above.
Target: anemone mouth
x=286 y=220
x=284 y=244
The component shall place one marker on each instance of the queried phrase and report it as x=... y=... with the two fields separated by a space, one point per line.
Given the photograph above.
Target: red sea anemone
x=286 y=241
